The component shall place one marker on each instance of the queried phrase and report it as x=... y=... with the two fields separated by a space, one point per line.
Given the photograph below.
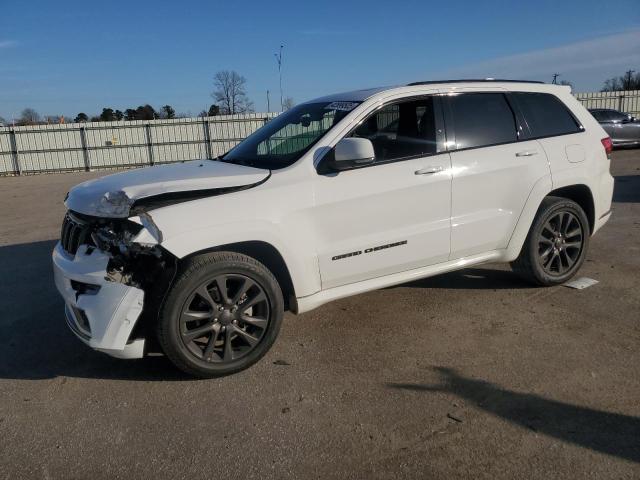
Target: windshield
x=283 y=140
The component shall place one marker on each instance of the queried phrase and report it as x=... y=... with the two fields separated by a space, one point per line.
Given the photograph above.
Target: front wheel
x=221 y=315
x=556 y=245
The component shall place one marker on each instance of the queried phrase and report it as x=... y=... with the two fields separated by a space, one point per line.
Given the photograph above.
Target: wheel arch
x=266 y=254
x=582 y=195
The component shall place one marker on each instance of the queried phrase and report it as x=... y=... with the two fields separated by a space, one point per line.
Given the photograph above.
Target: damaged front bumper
x=101 y=312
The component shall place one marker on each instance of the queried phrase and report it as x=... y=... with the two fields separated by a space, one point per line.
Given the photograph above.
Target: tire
x=553 y=252
x=207 y=327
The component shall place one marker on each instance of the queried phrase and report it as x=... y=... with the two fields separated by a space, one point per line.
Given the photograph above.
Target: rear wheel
x=221 y=316
x=556 y=245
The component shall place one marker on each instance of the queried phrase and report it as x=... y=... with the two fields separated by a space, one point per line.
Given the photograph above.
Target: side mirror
x=352 y=152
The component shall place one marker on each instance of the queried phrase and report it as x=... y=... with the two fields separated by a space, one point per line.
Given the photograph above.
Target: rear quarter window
x=546 y=115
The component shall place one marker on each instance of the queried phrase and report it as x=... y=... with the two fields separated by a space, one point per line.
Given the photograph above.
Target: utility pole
x=279 y=60
x=628 y=82
x=268 y=103
x=555 y=78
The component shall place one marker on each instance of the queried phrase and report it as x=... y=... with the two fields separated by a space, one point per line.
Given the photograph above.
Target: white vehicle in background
x=336 y=196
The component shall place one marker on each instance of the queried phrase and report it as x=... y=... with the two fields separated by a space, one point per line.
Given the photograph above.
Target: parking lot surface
x=472 y=374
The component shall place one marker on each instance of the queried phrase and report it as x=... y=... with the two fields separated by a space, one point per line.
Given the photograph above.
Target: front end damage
x=112 y=274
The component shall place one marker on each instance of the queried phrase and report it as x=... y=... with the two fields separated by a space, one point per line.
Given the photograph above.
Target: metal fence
x=100 y=145
x=625 y=101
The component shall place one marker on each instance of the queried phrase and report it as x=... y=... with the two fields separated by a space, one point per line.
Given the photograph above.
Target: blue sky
x=72 y=56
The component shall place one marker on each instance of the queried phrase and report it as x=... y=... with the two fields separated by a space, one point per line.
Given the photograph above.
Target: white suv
x=337 y=196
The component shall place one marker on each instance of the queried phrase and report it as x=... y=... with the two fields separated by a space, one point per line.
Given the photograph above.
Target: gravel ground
x=472 y=374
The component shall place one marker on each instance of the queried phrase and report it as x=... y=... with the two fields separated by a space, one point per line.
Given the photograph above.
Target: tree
x=29 y=117
x=130 y=114
x=628 y=81
x=146 y=112
x=288 y=103
x=118 y=115
x=3 y=122
x=168 y=111
x=107 y=115
x=214 y=110
x=565 y=82
x=81 y=118
x=230 y=92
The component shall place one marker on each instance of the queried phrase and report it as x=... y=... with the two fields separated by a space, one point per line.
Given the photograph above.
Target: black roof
x=472 y=80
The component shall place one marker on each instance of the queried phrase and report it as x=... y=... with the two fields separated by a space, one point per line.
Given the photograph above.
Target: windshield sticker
x=343 y=106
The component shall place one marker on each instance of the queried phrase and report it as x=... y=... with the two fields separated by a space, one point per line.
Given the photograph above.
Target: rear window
x=482 y=119
x=546 y=115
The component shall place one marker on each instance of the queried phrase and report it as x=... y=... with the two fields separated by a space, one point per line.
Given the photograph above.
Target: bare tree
x=628 y=81
x=29 y=117
x=288 y=103
x=230 y=92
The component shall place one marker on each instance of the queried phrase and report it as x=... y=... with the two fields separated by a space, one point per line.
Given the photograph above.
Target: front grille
x=74 y=233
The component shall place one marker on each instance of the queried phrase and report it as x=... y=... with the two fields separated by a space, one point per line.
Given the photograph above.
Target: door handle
x=429 y=170
x=526 y=153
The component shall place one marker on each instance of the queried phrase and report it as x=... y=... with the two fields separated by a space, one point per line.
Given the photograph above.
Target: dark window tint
x=616 y=116
x=482 y=119
x=545 y=114
x=401 y=130
x=600 y=115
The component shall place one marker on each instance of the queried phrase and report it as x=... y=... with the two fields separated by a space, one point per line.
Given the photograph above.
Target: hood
x=114 y=196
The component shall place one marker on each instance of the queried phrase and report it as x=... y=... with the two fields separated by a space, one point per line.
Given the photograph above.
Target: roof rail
x=430 y=82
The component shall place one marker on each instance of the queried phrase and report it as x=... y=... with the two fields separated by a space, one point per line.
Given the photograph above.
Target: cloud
x=573 y=60
x=8 y=43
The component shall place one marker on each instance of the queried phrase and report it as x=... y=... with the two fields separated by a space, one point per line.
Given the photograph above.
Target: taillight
x=607 y=144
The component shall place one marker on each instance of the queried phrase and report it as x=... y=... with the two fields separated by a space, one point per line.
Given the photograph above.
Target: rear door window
x=482 y=119
x=545 y=114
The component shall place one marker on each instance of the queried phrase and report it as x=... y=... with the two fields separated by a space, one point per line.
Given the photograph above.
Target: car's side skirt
x=317 y=299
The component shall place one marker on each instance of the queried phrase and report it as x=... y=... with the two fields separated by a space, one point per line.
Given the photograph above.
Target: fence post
x=85 y=150
x=147 y=130
x=14 y=151
x=621 y=102
x=207 y=137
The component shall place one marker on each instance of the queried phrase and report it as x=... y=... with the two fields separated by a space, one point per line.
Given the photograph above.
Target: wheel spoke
x=546 y=253
x=192 y=316
x=250 y=339
x=221 y=283
x=568 y=259
x=208 y=352
x=548 y=227
x=255 y=321
x=228 y=348
x=574 y=232
x=544 y=240
x=203 y=292
x=191 y=335
x=242 y=289
x=257 y=298
x=573 y=245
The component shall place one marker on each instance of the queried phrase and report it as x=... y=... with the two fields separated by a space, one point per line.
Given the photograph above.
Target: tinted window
x=600 y=115
x=482 y=119
x=545 y=114
x=616 y=116
x=401 y=130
